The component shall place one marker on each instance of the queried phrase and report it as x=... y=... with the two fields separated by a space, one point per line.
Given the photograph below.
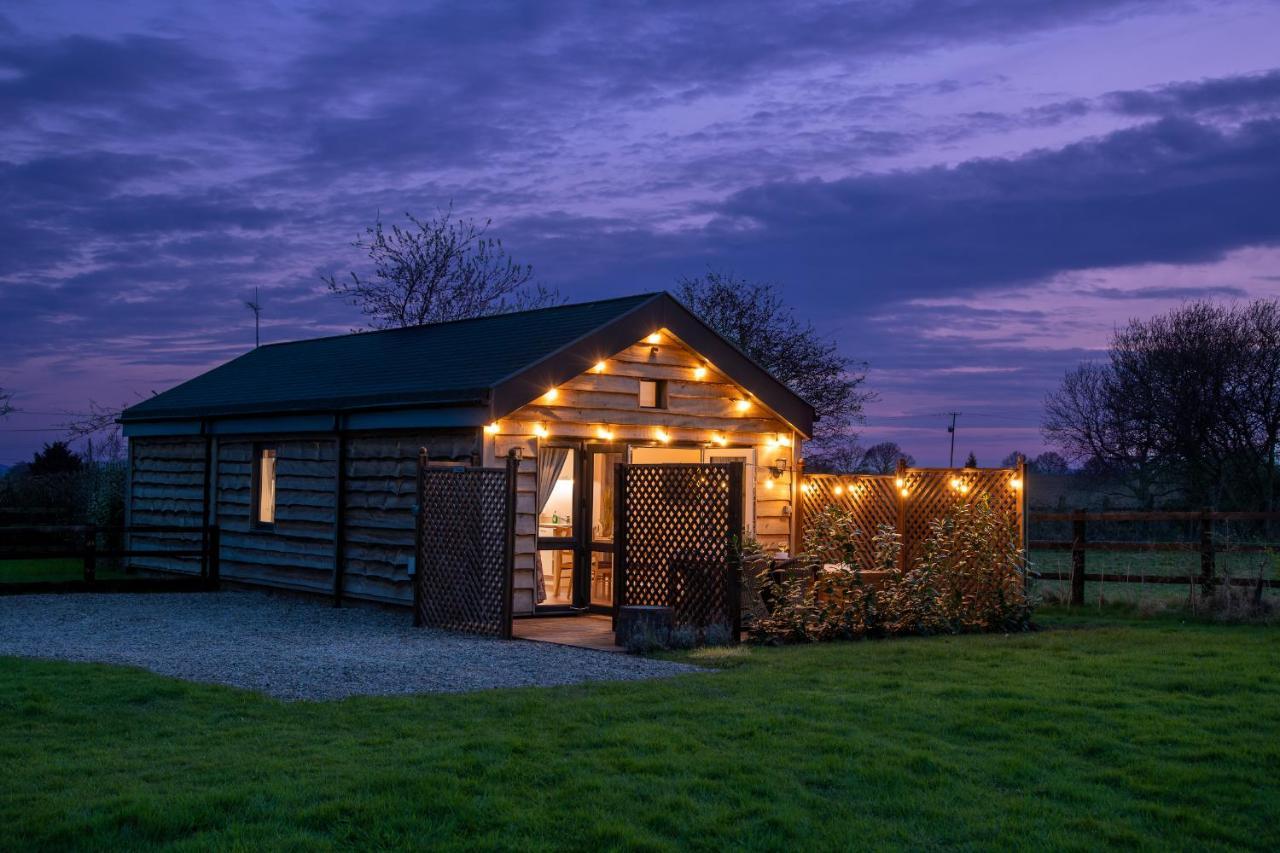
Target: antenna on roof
x=256 y=307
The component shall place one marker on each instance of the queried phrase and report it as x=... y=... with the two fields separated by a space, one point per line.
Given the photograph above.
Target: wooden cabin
x=305 y=454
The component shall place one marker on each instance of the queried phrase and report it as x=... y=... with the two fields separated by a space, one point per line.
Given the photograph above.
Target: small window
x=653 y=393
x=264 y=483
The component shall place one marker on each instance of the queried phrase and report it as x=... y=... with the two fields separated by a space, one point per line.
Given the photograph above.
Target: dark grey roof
x=498 y=363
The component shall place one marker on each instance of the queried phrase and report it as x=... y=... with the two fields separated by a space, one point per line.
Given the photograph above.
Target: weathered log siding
x=166 y=486
x=297 y=553
x=697 y=408
x=382 y=481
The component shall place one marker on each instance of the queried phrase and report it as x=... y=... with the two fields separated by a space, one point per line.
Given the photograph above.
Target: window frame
x=255 y=492
x=659 y=394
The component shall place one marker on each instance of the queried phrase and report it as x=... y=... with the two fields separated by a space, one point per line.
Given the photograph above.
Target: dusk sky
x=968 y=195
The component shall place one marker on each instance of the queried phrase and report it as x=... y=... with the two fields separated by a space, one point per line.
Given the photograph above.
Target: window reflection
x=603 y=475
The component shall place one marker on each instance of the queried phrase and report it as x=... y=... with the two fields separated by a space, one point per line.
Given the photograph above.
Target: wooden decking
x=585 y=632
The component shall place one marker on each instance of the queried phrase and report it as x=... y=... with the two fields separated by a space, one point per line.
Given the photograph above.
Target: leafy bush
x=969 y=576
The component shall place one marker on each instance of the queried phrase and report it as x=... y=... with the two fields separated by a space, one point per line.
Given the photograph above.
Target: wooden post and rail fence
x=1207 y=545
x=81 y=541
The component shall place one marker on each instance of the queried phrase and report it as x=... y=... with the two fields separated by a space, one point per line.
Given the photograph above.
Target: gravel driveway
x=291 y=648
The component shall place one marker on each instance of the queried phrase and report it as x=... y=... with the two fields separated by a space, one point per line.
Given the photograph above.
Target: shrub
x=969 y=576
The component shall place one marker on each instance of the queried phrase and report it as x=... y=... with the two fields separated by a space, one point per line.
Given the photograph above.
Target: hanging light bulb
x=742 y=405
x=700 y=372
x=899 y=482
x=839 y=490
x=605 y=433
x=551 y=394
x=653 y=338
x=1016 y=482
x=541 y=431
x=768 y=484
x=955 y=482
x=662 y=435
x=964 y=489
x=491 y=429
x=599 y=368
x=903 y=492
x=720 y=439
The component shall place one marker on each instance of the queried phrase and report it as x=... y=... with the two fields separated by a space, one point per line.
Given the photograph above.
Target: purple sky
x=968 y=194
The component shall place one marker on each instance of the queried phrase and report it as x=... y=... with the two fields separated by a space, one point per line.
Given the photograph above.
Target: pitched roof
x=495 y=364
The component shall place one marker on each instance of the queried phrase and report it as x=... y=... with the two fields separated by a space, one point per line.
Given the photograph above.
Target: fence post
x=797 y=508
x=904 y=557
x=509 y=543
x=213 y=581
x=734 y=562
x=1077 y=558
x=418 y=509
x=1206 y=552
x=91 y=554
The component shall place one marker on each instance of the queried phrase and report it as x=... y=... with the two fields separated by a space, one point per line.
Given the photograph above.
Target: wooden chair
x=602 y=581
x=563 y=571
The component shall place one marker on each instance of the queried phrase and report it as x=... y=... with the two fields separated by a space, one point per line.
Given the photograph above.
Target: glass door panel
x=603 y=478
x=747 y=456
x=602 y=578
x=603 y=474
x=557 y=534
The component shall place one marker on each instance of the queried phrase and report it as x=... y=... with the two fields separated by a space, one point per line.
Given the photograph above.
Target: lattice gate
x=677 y=541
x=465 y=548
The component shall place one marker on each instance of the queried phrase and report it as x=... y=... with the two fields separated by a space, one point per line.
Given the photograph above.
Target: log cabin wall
x=297 y=551
x=701 y=405
x=166 y=487
x=381 y=488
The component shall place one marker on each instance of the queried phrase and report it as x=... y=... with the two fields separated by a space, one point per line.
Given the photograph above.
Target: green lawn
x=1101 y=731
x=20 y=571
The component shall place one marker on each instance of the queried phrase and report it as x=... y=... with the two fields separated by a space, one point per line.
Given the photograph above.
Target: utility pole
x=951 y=461
x=256 y=307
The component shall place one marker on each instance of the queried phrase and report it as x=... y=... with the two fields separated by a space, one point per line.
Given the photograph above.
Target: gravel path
x=291 y=648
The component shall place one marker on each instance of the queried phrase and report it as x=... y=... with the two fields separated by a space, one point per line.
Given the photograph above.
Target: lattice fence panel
x=678 y=526
x=873 y=500
x=463 y=580
x=929 y=494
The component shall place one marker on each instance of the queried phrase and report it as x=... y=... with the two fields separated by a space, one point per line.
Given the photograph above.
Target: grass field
x=21 y=571
x=1100 y=731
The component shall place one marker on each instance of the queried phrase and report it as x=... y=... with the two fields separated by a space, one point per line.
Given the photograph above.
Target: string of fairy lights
x=663 y=434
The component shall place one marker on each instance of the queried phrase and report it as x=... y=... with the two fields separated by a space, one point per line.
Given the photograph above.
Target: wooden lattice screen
x=925 y=494
x=677 y=541
x=465 y=548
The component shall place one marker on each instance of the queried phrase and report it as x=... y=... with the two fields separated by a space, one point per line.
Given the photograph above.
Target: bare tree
x=435 y=270
x=754 y=316
x=6 y=402
x=1187 y=404
x=841 y=454
x=1048 y=462
x=98 y=427
x=883 y=458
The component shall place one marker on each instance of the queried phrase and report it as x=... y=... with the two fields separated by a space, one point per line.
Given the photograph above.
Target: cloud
x=1239 y=95
x=1209 y=292
x=84 y=71
x=1172 y=190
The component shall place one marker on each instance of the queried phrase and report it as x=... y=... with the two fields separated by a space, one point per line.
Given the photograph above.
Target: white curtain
x=550 y=463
